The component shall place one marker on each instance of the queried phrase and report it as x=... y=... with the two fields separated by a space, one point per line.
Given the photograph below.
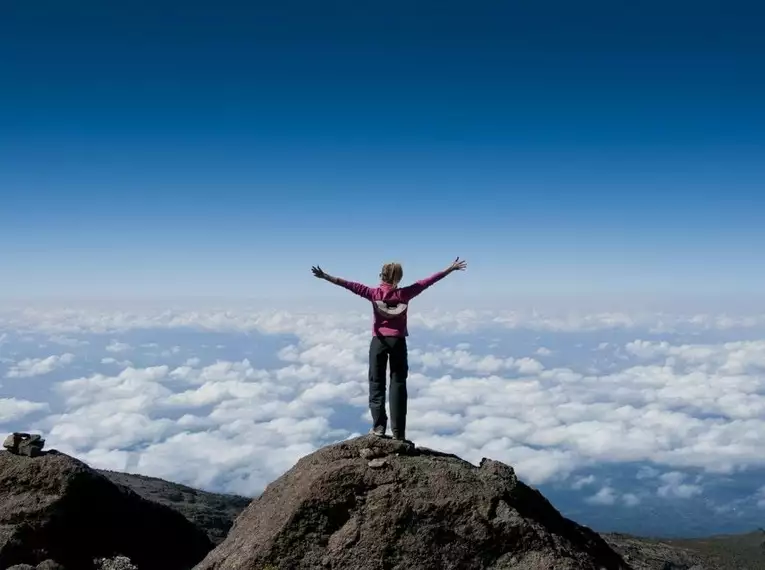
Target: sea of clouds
x=643 y=422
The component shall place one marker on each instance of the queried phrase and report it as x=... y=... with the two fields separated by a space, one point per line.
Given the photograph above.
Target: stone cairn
x=30 y=445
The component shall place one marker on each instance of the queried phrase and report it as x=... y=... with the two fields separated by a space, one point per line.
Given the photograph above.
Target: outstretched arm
x=411 y=291
x=357 y=288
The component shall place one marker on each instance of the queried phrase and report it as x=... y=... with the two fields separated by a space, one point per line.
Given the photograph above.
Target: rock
x=425 y=511
x=20 y=443
x=56 y=507
x=378 y=463
x=50 y=565
x=721 y=552
x=22 y=567
x=499 y=470
x=116 y=563
x=366 y=453
x=11 y=443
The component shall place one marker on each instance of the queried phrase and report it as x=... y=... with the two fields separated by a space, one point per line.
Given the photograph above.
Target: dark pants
x=382 y=349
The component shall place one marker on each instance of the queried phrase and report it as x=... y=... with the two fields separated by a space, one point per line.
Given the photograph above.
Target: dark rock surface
x=725 y=552
x=45 y=565
x=643 y=554
x=417 y=510
x=56 y=507
x=213 y=512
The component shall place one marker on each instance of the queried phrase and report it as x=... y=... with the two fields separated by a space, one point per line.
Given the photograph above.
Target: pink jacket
x=390 y=304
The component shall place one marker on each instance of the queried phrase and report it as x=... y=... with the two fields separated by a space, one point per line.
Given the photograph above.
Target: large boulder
x=54 y=507
x=371 y=503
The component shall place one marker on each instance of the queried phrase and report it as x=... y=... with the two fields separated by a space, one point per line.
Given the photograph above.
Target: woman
x=390 y=305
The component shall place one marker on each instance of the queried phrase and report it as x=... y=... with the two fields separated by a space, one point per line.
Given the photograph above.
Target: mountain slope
x=725 y=552
x=213 y=512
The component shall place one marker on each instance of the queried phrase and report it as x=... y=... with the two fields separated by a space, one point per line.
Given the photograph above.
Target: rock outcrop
x=373 y=504
x=27 y=444
x=56 y=508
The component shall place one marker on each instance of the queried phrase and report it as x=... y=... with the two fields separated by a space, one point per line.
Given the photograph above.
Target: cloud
x=13 y=409
x=760 y=497
x=67 y=341
x=464 y=360
x=120 y=363
x=116 y=346
x=104 y=321
x=111 y=411
x=730 y=358
x=606 y=496
x=630 y=499
x=675 y=487
x=38 y=366
x=582 y=482
x=647 y=473
x=257 y=422
x=171 y=351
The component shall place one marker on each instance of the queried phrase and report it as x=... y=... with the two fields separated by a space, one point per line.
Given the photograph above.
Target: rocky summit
x=373 y=503
x=56 y=512
x=365 y=503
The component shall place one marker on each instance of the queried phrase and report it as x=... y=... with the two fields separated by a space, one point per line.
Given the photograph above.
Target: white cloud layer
x=38 y=366
x=58 y=321
x=235 y=424
x=13 y=409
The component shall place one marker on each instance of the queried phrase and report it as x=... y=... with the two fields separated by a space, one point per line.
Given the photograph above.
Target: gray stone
x=116 y=563
x=378 y=463
x=27 y=444
x=367 y=453
x=425 y=511
x=50 y=565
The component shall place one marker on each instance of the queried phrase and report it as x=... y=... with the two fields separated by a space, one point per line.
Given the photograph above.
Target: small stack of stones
x=30 y=445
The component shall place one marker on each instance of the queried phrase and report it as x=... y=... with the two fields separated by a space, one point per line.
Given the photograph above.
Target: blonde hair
x=391 y=273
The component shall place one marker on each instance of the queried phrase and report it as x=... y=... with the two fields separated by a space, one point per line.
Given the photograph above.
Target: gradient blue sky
x=219 y=148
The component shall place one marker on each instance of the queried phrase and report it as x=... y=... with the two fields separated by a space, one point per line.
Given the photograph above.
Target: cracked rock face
x=375 y=503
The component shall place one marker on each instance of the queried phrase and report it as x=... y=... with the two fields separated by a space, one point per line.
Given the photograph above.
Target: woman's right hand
x=318 y=272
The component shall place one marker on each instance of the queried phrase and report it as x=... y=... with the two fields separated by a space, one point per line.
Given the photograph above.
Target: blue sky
x=174 y=149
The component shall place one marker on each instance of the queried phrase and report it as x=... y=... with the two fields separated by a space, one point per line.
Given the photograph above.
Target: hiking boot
x=379 y=431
